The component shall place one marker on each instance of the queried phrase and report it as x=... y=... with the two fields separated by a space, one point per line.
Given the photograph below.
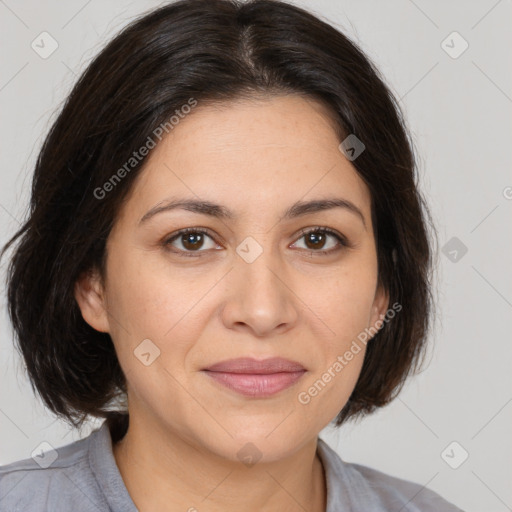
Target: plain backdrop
x=458 y=105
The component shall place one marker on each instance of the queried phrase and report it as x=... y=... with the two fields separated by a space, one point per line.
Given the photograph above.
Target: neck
x=166 y=472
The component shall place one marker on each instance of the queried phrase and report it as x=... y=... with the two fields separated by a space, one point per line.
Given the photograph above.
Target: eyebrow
x=218 y=211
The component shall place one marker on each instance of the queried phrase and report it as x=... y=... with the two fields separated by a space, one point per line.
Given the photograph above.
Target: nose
x=260 y=297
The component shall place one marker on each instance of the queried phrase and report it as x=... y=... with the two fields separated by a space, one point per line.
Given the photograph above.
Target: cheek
x=155 y=327
x=152 y=300
x=168 y=308
x=343 y=303
x=329 y=387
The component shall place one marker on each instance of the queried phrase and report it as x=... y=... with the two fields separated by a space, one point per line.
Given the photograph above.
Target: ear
x=380 y=305
x=90 y=295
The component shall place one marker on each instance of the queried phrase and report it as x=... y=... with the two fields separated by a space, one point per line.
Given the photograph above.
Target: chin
x=266 y=443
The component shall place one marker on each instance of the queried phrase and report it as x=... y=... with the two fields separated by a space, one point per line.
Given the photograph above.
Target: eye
x=190 y=239
x=315 y=240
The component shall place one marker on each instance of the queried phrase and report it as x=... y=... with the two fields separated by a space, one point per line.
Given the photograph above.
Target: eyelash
x=303 y=232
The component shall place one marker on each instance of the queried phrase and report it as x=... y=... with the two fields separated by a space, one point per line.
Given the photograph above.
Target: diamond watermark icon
x=454 y=249
x=44 y=45
x=146 y=352
x=454 y=45
x=454 y=455
x=44 y=454
x=249 y=454
x=352 y=147
x=249 y=250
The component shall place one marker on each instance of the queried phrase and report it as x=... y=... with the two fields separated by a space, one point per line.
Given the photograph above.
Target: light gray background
x=459 y=111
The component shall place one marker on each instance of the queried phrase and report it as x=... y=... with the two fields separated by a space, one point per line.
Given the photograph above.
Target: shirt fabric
x=85 y=478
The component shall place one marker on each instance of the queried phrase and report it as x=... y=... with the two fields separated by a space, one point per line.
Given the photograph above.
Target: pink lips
x=254 y=378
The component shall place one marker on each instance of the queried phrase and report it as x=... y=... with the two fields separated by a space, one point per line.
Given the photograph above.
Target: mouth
x=257 y=379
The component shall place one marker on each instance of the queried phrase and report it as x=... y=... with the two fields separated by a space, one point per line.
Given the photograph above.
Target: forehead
x=252 y=154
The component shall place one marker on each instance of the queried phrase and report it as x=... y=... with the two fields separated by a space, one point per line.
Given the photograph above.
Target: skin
x=256 y=158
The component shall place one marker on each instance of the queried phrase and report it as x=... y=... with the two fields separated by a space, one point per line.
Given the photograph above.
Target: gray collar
x=342 y=485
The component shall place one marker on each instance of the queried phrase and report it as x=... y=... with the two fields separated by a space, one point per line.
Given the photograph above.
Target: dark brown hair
x=210 y=50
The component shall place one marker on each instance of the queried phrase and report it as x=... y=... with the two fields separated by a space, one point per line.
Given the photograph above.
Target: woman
x=225 y=230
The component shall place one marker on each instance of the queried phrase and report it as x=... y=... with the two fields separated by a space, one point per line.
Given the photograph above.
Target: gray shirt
x=84 y=478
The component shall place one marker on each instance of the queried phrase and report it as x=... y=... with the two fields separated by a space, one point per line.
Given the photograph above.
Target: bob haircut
x=212 y=51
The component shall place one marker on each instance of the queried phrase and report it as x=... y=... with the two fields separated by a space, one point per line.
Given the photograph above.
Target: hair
x=212 y=51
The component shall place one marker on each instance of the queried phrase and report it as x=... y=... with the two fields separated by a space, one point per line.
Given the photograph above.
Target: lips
x=257 y=379
x=255 y=367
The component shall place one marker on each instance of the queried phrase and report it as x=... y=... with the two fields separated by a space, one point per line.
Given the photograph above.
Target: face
x=251 y=284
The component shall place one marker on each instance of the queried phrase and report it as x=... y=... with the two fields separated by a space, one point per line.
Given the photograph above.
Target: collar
x=341 y=484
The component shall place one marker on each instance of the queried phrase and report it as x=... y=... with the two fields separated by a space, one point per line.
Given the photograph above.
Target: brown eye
x=192 y=241
x=317 y=239
x=189 y=240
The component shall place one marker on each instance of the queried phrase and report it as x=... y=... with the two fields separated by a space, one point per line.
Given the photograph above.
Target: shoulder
x=363 y=487
x=396 y=490
x=53 y=479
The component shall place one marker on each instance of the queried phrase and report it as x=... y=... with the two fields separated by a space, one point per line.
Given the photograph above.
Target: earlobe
x=380 y=306
x=90 y=296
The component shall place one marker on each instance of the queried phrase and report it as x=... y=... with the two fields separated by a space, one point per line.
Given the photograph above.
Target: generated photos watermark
x=304 y=397
x=137 y=156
